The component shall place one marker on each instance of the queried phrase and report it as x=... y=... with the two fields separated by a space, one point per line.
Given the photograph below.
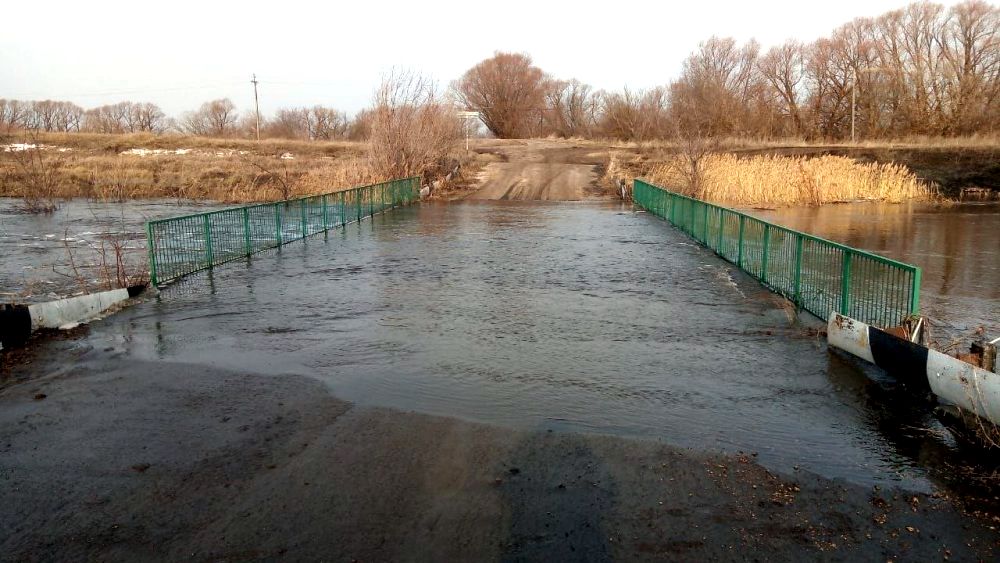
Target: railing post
x=302 y=214
x=722 y=228
x=246 y=231
x=277 y=221
x=209 y=257
x=739 y=253
x=915 y=293
x=151 y=243
x=798 y=269
x=691 y=203
x=326 y=225
x=343 y=209
x=845 y=283
x=767 y=246
x=704 y=227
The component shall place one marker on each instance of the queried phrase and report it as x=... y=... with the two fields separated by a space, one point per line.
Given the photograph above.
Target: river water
x=578 y=317
x=35 y=248
x=956 y=245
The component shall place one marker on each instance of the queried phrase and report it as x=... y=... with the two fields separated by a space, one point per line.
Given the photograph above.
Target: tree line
x=216 y=118
x=921 y=70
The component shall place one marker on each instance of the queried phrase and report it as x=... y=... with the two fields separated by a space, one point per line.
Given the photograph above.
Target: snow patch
x=147 y=152
x=18 y=147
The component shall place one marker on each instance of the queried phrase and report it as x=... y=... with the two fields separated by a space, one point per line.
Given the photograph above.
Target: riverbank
x=163 y=461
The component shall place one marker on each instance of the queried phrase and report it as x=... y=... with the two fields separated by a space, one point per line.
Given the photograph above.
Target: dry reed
x=780 y=180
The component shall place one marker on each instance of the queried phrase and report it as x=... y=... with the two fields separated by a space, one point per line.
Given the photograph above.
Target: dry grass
x=116 y=143
x=984 y=141
x=227 y=170
x=780 y=180
x=239 y=170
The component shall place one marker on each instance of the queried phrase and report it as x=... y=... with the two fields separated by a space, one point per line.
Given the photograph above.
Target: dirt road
x=539 y=169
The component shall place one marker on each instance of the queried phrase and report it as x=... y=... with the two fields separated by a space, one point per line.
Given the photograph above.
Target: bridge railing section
x=816 y=274
x=183 y=245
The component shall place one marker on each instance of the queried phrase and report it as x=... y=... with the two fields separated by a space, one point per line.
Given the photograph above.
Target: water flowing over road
x=564 y=316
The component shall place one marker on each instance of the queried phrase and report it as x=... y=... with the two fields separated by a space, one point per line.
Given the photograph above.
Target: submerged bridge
x=816 y=274
x=183 y=245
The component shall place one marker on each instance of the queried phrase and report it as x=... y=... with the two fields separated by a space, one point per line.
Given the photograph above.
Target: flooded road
x=956 y=245
x=578 y=317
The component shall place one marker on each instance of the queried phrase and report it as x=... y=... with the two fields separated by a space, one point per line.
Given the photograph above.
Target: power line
x=124 y=92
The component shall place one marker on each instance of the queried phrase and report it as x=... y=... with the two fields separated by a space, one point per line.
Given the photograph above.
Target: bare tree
x=508 y=91
x=147 y=118
x=216 y=118
x=125 y=117
x=720 y=91
x=971 y=50
x=288 y=123
x=621 y=115
x=326 y=124
x=783 y=68
x=51 y=115
x=360 y=128
x=635 y=116
x=571 y=108
x=13 y=114
x=413 y=129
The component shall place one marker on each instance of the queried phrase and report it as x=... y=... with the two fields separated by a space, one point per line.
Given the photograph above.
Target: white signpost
x=467 y=116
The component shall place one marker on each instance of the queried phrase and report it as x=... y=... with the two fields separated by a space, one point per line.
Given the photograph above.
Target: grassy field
x=147 y=166
x=734 y=171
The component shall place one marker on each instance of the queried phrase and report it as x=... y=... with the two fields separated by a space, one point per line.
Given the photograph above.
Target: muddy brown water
x=561 y=316
x=956 y=245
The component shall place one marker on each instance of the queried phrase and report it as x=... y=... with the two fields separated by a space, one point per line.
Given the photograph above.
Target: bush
x=413 y=129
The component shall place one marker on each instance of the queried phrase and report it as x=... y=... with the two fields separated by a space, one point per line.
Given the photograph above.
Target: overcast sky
x=178 y=53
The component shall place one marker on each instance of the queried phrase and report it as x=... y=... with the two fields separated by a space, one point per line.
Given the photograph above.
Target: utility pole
x=256 y=103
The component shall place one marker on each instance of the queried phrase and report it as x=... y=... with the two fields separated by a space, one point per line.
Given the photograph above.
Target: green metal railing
x=182 y=245
x=818 y=275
